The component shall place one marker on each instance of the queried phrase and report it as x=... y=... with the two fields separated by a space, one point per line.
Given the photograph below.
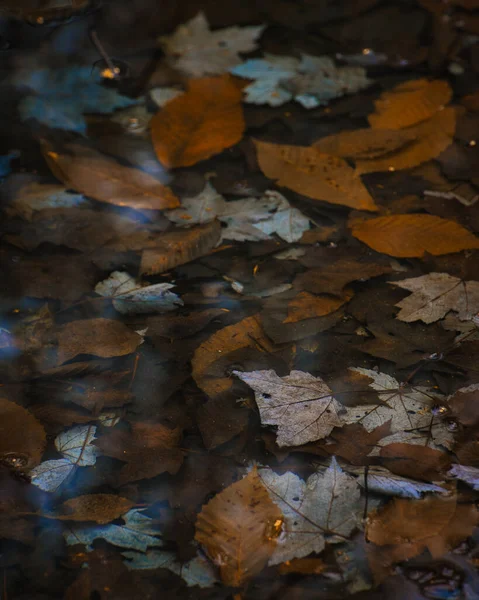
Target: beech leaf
x=101 y=508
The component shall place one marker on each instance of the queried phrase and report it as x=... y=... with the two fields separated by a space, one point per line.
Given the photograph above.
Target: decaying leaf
x=309 y=172
x=178 y=247
x=239 y=529
x=365 y=143
x=299 y=405
x=100 y=337
x=247 y=333
x=469 y=475
x=414 y=234
x=419 y=462
x=96 y=175
x=381 y=481
x=196 y=50
x=464 y=405
x=409 y=103
x=101 y=508
x=202 y=122
x=434 y=295
x=132 y=297
x=308 y=306
x=22 y=437
x=325 y=508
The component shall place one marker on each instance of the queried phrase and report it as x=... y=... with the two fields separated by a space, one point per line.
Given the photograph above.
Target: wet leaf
x=381 y=481
x=22 y=437
x=464 y=405
x=434 y=295
x=469 y=475
x=308 y=306
x=364 y=143
x=414 y=234
x=130 y=296
x=326 y=507
x=309 y=172
x=86 y=170
x=239 y=529
x=306 y=566
x=196 y=50
x=33 y=197
x=100 y=337
x=419 y=462
x=354 y=443
x=409 y=103
x=179 y=247
x=101 y=508
x=299 y=405
x=199 y=124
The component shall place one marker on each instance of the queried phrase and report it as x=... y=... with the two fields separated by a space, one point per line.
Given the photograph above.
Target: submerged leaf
x=364 y=143
x=101 y=508
x=22 y=437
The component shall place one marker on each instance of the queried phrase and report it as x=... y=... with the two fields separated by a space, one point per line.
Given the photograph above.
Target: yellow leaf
x=431 y=138
x=309 y=306
x=412 y=235
x=239 y=529
x=409 y=103
x=200 y=123
x=365 y=143
x=314 y=174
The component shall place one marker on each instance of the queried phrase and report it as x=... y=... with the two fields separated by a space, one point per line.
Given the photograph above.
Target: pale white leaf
x=384 y=482
x=50 y=474
x=75 y=445
x=163 y=95
x=469 y=475
x=199 y=209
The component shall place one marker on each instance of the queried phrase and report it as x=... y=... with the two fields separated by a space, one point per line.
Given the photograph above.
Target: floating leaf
x=464 y=405
x=201 y=123
x=309 y=172
x=381 y=481
x=409 y=103
x=299 y=405
x=434 y=295
x=131 y=297
x=101 y=508
x=100 y=337
x=96 y=175
x=326 y=507
x=239 y=529
x=196 y=50
x=414 y=234
x=22 y=437
x=469 y=475
x=364 y=143
x=308 y=306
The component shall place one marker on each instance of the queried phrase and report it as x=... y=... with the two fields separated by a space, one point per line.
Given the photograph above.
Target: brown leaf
x=354 y=443
x=309 y=172
x=409 y=521
x=53 y=414
x=101 y=508
x=100 y=337
x=20 y=530
x=305 y=566
x=200 y=123
x=22 y=437
x=180 y=327
x=96 y=175
x=179 y=247
x=364 y=143
x=464 y=405
x=409 y=103
x=432 y=137
x=412 y=235
x=418 y=462
x=239 y=528
x=149 y=450
x=459 y=528
x=244 y=334
x=308 y=306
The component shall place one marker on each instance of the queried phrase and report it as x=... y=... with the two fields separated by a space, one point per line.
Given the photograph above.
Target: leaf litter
x=239 y=327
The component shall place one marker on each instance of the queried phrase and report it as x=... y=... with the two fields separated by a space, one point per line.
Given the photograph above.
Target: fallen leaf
x=179 y=247
x=364 y=143
x=22 y=437
x=33 y=197
x=308 y=306
x=412 y=235
x=196 y=50
x=419 y=462
x=325 y=508
x=309 y=172
x=101 y=508
x=199 y=124
x=247 y=333
x=409 y=103
x=19 y=530
x=381 y=481
x=132 y=297
x=299 y=405
x=469 y=475
x=354 y=443
x=409 y=521
x=100 y=337
x=464 y=405
x=239 y=528
x=305 y=566
x=434 y=295
x=96 y=175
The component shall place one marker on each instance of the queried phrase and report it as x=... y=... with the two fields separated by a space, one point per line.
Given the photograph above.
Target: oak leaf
x=22 y=437
x=434 y=295
x=314 y=174
x=239 y=529
x=409 y=236
x=202 y=122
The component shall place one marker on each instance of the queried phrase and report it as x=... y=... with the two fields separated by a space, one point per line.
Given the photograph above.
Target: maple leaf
x=196 y=50
x=434 y=295
x=299 y=405
x=325 y=508
x=408 y=409
x=59 y=98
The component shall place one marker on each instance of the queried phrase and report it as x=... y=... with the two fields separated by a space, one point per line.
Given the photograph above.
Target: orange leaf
x=239 y=528
x=314 y=174
x=308 y=306
x=409 y=103
x=200 y=123
x=412 y=235
x=364 y=143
